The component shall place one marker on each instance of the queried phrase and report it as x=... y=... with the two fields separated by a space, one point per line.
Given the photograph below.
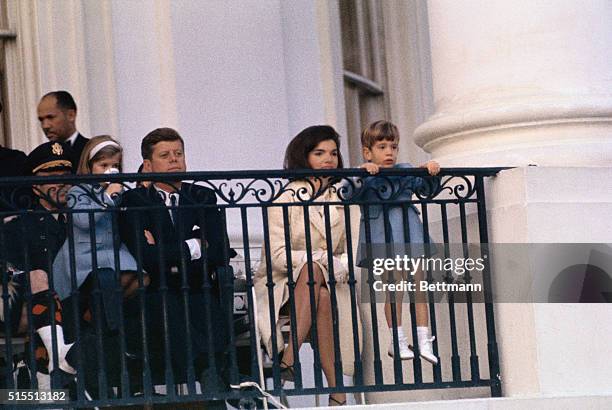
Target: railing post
x=494 y=375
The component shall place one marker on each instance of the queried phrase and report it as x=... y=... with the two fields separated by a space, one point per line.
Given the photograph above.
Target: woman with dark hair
x=315 y=148
x=298 y=150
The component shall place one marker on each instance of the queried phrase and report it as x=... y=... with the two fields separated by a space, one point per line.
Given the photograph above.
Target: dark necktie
x=174 y=210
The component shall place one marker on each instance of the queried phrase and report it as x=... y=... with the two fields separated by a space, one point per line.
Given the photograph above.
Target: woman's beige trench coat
x=293 y=193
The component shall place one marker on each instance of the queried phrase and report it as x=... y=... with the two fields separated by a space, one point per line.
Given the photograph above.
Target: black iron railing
x=178 y=328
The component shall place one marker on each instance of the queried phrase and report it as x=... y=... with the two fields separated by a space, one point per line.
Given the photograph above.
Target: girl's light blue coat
x=80 y=198
x=376 y=189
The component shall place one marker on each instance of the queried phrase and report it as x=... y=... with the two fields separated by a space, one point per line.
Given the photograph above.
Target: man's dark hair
x=63 y=98
x=296 y=155
x=155 y=136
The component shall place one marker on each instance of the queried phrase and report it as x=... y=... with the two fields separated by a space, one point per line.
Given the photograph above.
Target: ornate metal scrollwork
x=262 y=188
x=458 y=187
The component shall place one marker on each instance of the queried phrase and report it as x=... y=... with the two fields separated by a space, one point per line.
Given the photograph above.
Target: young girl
x=380 y=141
x=101 y=155
x=316 y=147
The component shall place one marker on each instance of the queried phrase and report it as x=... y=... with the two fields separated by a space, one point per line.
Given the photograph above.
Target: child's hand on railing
x=371 y=167
x=432 y=167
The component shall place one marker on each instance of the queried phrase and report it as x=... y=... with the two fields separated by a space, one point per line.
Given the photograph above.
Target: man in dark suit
x=11 y=165
x=179 y=236
x=30 y=241
x=57 y=113
x=11 y=162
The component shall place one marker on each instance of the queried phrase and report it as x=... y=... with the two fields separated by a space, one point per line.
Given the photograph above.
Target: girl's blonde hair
x=108 y=151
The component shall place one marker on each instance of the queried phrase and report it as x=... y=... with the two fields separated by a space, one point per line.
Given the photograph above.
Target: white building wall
x=551 y=349
x=100 y=103
x=234 y=78
x=237 y=80
x=230 y=76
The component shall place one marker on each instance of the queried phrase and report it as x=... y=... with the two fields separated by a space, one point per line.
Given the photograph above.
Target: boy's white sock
x=400 y=333
x=425 y=344
x=423 y=332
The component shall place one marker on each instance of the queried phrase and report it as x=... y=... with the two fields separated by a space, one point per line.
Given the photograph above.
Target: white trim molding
x=530 y=130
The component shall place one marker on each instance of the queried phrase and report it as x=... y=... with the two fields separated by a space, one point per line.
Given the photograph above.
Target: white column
x=530 y=82
x=520 y=82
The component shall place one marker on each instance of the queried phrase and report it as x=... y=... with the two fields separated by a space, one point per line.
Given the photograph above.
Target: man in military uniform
x=57 y=114
x=29 y=243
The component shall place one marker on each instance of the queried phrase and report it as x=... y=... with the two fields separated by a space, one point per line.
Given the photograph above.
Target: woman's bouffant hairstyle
x=296 y=155
x=105 y=152
x=379 y=131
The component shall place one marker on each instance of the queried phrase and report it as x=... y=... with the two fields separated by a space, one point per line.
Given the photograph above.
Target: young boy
x=380 y=145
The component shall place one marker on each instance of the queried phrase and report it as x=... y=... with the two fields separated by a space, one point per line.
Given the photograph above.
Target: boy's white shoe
x=426 y=349
x=404 y=350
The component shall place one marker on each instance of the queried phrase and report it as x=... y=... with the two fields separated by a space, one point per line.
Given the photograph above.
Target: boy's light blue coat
x=377 y=188
x=80 y=198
